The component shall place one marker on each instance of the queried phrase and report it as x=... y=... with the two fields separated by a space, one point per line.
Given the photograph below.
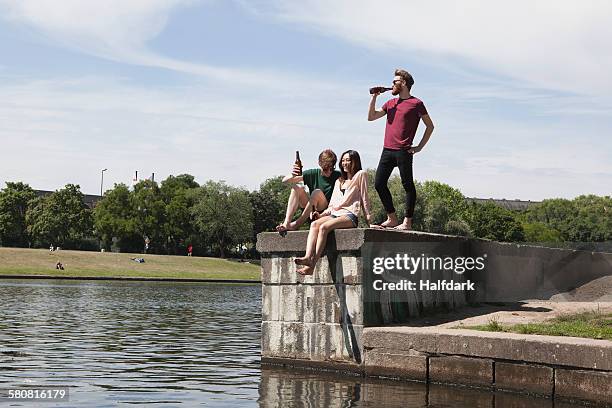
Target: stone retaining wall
x=320 y=320
x=551 y=366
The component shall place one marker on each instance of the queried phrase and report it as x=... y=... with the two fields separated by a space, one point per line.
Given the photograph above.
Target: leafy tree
x=269 y=204
x=172 y=185
x=114 y=217
x=14 y=201
x=593 y=221
x=223 y=215
x=555 y=213
x=149 y=214
x=61 y=218
x=540 y=232
x=587 y=218
x=440 y=208
x=493 y=222
x=178 y=226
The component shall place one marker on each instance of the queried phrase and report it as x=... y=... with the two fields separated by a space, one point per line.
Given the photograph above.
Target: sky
x=519 y=92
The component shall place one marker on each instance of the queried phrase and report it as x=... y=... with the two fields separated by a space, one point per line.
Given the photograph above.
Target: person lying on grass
x=349 y=198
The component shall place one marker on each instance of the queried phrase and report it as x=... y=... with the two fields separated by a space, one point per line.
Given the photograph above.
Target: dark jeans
x=390 y=159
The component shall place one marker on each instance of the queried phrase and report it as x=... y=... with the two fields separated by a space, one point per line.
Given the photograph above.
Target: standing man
x=320 y=182
x=403 y=116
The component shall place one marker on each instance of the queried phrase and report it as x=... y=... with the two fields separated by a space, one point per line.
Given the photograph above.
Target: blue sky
x=229 y=89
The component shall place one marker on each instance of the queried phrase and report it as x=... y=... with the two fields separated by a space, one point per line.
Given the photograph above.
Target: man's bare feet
x=404 y=226
x=305 y=271
x=303 y=261
x=292 y=226
x=391 y=221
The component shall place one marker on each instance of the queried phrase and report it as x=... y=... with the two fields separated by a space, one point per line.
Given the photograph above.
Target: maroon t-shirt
x=402 y=121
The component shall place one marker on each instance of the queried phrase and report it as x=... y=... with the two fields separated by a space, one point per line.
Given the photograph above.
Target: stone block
x=583 y=384
x=312 y=341
x=410 y=365
x=524 y=378
x=461 y=370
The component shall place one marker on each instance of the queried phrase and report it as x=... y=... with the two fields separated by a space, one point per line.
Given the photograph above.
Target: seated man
x=320 y=182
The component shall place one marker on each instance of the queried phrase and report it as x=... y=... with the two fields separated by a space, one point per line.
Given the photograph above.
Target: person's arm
x=293 y=178
x=428 y=131
x=365 y=199
x=374 y=113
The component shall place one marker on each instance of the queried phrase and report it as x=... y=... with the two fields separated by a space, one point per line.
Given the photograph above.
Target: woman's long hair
x=355 y=163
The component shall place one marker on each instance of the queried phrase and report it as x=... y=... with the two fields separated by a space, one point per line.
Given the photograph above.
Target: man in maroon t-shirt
x=403 y=116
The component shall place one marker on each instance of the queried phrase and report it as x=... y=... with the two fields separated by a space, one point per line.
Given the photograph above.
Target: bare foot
x=305 y=270
x=301 y=261
x=389 y=223
x=281 y=229
x=292 y=226
x=306 y=261
x=403 y=227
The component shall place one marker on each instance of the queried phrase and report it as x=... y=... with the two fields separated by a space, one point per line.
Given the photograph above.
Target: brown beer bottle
x=298 y=162
x=379 y=89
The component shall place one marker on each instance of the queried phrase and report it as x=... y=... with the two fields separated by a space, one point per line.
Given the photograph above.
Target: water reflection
x=173 y=344
x=282 y=387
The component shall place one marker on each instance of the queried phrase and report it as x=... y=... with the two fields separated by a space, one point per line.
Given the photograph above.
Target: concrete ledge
x=351 y=239
x=553 y=350
x=461 y=370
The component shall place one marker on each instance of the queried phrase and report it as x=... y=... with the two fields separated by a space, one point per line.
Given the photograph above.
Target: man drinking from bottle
x=403 y=116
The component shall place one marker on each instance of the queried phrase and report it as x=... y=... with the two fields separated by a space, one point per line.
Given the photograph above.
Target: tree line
x=221 y=220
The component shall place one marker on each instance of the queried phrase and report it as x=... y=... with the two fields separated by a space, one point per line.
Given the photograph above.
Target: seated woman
x=349 y=198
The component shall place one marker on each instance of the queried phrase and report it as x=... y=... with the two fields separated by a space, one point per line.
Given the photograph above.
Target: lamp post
x=102 y=182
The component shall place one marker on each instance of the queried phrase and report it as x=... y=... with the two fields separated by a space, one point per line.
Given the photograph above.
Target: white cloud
x=120 y=31
x=556 y=44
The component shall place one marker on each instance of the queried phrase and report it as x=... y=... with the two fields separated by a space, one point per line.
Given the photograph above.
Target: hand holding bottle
x=377 y=90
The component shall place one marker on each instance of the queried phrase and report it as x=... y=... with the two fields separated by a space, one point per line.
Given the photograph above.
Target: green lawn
x=18 y=261
x=593 y=325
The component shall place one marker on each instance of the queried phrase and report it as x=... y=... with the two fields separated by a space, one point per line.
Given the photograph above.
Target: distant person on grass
x=320 y=183
x=403 y=116
x=349 y=199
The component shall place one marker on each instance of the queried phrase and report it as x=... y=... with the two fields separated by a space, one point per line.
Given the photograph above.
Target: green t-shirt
x=315 y=180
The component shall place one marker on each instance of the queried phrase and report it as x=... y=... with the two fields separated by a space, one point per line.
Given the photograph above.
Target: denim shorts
x=350 y=216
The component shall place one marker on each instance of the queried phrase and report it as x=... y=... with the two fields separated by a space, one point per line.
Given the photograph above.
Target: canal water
x=176 y=345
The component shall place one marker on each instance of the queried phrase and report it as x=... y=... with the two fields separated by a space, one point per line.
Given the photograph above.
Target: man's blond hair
x=328 y=157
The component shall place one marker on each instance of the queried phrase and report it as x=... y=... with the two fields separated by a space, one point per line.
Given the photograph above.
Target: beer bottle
x=298 y=162
x=379 y=89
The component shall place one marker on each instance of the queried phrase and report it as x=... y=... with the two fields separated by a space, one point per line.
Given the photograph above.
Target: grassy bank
x=17 y=261
x=593 y=325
